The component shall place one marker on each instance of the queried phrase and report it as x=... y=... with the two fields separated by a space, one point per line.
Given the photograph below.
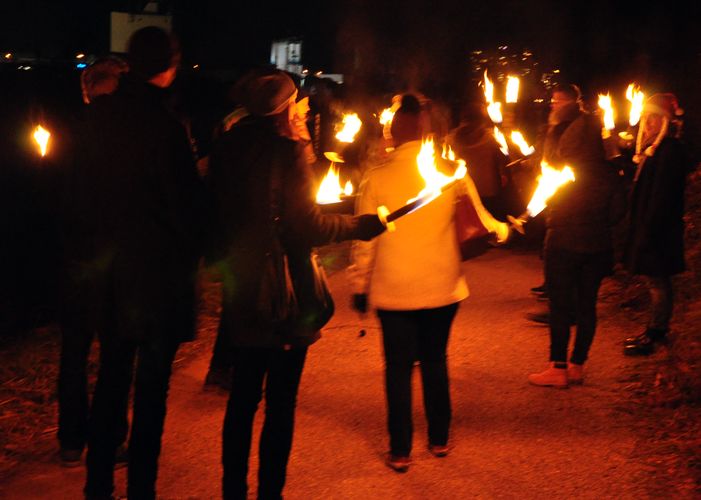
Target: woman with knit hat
x=655 y=244
x=261 y=182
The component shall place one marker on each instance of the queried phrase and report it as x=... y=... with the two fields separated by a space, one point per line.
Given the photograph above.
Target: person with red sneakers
x=578 y=247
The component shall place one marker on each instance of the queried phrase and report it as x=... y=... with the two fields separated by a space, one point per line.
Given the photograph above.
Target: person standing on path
x=138 y=200
x=77 y=309
x=578 y=247
x=414 y=279
x=260 y=178
x=655 y=244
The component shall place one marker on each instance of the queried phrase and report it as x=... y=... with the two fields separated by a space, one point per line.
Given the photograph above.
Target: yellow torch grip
x=382 y=213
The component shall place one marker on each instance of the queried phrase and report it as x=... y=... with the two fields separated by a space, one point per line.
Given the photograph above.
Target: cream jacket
x=418 y=266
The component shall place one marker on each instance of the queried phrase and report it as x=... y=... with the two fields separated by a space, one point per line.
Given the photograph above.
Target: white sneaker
x=552 y=377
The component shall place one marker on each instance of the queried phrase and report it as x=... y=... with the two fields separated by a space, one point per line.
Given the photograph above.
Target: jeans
x=153 y=369
x=661 y=302
x=573 y=280
x=408 y=336
x=280 y=371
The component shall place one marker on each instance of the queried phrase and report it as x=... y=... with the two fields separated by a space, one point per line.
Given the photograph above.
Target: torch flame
x=517 y=138
x=386 y=116
x=493 y=108
x=549 y=182
x=512 y=85
x=41 y=136
x=636 y=97
x=351 y=126
x=501 y=140
x=488 y=89
x=607 y=107
x=435 y=180
x=330 y=188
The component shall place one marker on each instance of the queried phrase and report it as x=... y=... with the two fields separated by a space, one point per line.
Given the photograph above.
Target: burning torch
x=610 y=144
x=436 y=184
x=41 y=137
x=635 y=96
x=549 y=181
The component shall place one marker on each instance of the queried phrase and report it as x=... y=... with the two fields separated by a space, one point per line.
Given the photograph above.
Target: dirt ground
x=509 y=439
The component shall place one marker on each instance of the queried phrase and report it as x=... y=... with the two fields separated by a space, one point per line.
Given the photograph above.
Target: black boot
x=644 y=344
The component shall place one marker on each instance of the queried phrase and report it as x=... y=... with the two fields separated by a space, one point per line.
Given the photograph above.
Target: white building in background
x=286 y=55
x=123 y=24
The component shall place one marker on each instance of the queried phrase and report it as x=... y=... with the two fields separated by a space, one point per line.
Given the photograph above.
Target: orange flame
x=351 y=126
x=435 y=180
x=517 y=138
x=330 y=188
x=386 y=116
x=41 y=136
x=501 y=140
x=549 y=182
x=512 y=85
x=636 y=97
x=493 y=108
x=607 y=107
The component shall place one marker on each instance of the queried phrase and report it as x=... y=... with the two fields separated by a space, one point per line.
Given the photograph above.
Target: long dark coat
x=239 y=178
x=133 y=214
x=655 y=244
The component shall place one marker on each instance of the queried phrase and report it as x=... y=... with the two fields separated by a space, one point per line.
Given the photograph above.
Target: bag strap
x=275 y=190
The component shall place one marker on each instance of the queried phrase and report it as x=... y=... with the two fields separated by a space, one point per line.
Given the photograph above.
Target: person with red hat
x=655 y=244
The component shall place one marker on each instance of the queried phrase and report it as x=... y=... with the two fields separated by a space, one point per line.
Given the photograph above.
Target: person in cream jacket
x=413 y=278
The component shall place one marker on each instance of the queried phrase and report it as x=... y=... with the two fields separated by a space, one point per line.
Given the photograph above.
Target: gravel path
x=510 y=440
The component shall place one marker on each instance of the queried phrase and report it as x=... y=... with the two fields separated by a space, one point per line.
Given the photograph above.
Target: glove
x=369 y=226
x=360 y=302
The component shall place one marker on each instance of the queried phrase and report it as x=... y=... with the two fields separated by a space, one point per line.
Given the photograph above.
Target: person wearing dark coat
x=473 y=142
x=655 y=244
x=578 y=247
x=137 y=205
x=77 y=314
x=255 y=165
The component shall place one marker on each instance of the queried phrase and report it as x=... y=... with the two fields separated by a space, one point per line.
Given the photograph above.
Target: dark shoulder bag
x=294 y=292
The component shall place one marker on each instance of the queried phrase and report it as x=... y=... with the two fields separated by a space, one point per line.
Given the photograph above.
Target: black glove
x=360 y=302
x=369 y=226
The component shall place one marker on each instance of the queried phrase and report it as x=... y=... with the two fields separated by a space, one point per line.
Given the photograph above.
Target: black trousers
x=280 y=372
x=76 y=340
x=661 y=301
x=79 y=312
x=154 y=358
x=573 y=280
x=409 y=336
x=221 y=358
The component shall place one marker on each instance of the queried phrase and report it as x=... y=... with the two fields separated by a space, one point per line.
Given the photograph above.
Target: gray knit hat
x=266 y=94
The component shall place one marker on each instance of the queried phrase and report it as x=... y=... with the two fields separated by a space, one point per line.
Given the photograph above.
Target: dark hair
x=409 y=104
x=569 y=89
x=151 y=51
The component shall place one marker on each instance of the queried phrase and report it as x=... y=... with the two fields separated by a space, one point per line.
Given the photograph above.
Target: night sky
x=591 y=41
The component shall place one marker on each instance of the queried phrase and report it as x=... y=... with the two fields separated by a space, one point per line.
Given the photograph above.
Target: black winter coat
x=655 y=244
x=134 y=210
x=239 y=178
x=581 y=214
